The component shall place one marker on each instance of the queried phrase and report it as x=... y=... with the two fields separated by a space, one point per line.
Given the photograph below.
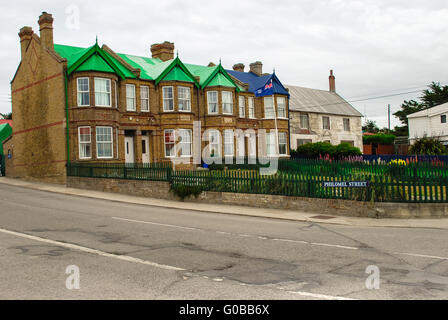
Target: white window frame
x=186 y=99
x=167 y=99
x=80 y=143
x=270 y=141
x=216 y=143
x=283 y=109
x=116 y=94
x=173 y=143
x=269 y=114
x=251 y=107
x=209 y=102
x=181 y=143
x=229 y=141
x=282 y=141
x=242 y=106
x=130 y=97
x=105 y=92
x=144 y=100
x=111 y=142
x=303 y=115
x=223 y=93
x=83 y=92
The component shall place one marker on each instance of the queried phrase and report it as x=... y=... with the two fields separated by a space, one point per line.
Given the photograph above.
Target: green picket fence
x=391 y=187
x=135 y=171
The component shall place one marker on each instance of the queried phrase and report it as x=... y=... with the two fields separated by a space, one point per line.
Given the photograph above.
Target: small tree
x=370 y=126
x=428 y=146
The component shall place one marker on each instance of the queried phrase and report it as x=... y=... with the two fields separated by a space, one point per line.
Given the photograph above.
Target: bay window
x=168 y=99
x=227 y=102
x=83 y=92
x=269 y=108
x=185 y=142
x=104 y=143
x=184 y=98
x=169 y=143
x=281 y=107
x=229 y=143
x=214 y=143
x=102 y=92
x=212 y=101
x=282 y=143
x=85 y=143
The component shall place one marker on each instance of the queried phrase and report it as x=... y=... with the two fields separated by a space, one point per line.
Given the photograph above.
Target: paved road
x=130 y=251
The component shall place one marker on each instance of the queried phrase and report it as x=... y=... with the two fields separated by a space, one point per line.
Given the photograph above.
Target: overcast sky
x=376 y=47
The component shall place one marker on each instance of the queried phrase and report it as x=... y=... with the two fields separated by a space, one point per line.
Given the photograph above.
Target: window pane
x=228 y=142
x=242 y=106
x=281 y=105
x=130 y=97
x=168 y=99
x=144 y=95
x=269 y=108
x=102 y=92
x=227 y=104
x=212 y=99
x=83 y=92
x=251 y=107
x=184 y=98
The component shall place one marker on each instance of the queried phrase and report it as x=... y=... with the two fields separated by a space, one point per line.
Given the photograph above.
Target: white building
x=431 y=122
x=322 y=116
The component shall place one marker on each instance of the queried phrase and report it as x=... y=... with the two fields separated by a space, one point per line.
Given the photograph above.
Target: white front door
x=129 y=149
x=145 y=149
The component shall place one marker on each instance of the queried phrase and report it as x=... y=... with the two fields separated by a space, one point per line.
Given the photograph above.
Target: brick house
x=95 y=105
x=323 y=116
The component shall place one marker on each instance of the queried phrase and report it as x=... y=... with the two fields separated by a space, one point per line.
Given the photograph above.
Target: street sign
x=345 y=184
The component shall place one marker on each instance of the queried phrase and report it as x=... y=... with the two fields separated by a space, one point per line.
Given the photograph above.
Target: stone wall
x=161 y=190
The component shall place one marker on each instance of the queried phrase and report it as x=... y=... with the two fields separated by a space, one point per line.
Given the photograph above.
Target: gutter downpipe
x=66 y=118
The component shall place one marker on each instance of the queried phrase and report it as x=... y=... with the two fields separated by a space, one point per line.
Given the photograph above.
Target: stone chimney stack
x=25 y=34
x=257 y=68
x=332 y=82
x=164 y=51
x=46 y=30
x=239 y=67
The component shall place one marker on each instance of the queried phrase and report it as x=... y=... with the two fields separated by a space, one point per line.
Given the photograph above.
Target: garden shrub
x=380 y=138
x=318 y=149
x=183 y=191
x=428 y=146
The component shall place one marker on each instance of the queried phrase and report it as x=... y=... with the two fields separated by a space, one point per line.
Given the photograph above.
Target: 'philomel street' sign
x=345 y=184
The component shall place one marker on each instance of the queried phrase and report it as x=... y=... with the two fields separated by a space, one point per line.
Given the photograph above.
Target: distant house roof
x=256 y=82
x=434 y=111
x=319 y=101
x=5 y=132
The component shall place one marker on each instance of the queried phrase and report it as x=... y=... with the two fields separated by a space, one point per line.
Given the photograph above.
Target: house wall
x=38 y=106
x=428 y=126
x=316 y=133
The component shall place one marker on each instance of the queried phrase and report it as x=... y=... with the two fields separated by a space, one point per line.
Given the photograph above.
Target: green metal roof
x=95 y=58
x=220 y=80
x=177 y=74
x=95 y=63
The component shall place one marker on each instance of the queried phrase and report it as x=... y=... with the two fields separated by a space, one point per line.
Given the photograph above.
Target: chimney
x=239 y=67
x=332 y=82
x=163 y=51
x=25 y=34
x=46 y=30
x=211 y=64
x=257 y=68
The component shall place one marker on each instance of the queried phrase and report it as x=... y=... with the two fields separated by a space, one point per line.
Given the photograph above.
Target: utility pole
x=388 y=117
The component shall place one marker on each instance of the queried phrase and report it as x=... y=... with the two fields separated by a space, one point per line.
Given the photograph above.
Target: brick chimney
x=25 y=34
x=332 y=82
x=257 y=68
x=46 y=30
x=164 y=51
x=238 y=67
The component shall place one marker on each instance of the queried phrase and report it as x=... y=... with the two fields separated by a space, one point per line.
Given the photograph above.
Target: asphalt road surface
x=125 y=251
